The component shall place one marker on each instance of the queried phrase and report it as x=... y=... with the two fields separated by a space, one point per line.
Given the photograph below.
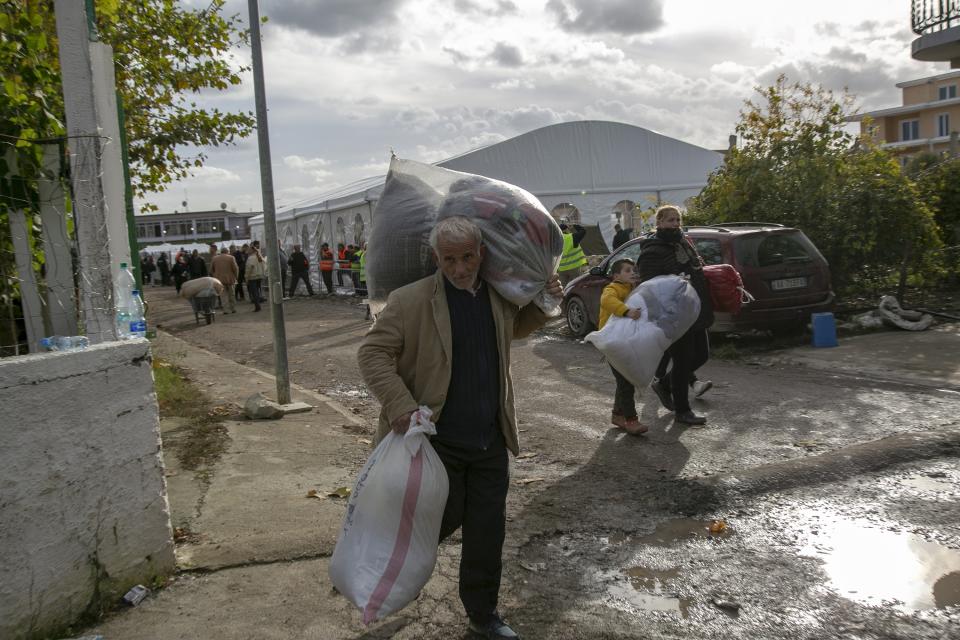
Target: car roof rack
x=746 y=224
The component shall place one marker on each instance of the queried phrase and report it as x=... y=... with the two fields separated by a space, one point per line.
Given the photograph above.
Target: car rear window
x=767 y=250
x=632 y=251
x=709 y=250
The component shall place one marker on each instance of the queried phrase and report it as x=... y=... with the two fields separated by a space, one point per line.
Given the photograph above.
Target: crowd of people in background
x=246 y=279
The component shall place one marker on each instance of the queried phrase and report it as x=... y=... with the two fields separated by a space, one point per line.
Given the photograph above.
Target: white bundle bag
x=388 y=544
x=669 y=306
x=205 y=286
x=523 y=242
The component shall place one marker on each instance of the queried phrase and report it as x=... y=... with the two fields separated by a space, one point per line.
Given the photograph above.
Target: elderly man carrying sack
x=444 y=342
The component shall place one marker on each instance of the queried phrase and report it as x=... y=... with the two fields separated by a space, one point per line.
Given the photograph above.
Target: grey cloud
x=830 y=29
x=332 y=18
x=865 y=82
x=507 y=55
x=364 y=42
x=615 y=16
x=458 y=56
x=846 y=54
x=499 y=8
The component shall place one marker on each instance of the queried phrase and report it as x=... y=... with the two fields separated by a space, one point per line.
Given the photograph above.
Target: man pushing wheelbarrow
x=203 y=294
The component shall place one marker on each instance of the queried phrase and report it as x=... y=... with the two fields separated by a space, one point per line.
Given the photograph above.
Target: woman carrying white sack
x=667 y=252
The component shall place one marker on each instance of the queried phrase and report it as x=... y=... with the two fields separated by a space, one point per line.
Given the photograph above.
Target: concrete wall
x=83 y=503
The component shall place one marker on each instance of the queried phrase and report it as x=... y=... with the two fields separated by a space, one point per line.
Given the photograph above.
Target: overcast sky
x=349 y=80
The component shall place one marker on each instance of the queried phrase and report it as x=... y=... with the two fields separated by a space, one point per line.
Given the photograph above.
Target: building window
x=947 y=92
x=209 y=226
x=910 y=130
x=943 y=124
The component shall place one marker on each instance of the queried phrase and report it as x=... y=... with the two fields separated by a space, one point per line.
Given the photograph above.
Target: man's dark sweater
x=469 y=416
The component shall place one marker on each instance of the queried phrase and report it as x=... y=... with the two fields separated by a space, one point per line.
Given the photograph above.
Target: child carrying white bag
x=388 y=545
x=669 y=306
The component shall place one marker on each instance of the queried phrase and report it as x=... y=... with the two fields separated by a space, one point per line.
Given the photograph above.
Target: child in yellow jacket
x=612 y=304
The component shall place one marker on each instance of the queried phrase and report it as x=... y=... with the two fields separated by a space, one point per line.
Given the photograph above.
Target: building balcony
x=937 y=22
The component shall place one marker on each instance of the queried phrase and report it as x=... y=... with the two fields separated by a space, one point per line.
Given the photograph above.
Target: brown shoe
x=618 y=420
x=633 y=427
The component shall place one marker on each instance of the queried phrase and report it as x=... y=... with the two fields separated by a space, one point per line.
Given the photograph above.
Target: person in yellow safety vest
x=573 y=259
x=355 y=269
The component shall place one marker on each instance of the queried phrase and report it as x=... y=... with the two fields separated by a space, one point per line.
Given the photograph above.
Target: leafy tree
x=939 y=183
x=797 y=166
x=165 y=56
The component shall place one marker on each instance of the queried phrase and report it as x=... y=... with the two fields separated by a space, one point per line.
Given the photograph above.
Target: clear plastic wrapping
x=523 y=242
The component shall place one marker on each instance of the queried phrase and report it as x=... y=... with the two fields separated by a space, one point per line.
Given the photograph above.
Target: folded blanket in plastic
x=523 y=242
x=669 y=306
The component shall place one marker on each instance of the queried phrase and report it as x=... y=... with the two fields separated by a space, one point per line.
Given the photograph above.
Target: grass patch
x=203 y=439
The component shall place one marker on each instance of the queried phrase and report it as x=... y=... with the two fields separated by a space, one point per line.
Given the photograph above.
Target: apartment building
x=192 y=226
x=930 y=112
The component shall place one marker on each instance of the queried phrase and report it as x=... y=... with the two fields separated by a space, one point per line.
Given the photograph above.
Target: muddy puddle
x=638 y=588
x=875 y=566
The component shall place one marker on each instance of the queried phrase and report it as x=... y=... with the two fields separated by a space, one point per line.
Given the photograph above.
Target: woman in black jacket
x=667 y=252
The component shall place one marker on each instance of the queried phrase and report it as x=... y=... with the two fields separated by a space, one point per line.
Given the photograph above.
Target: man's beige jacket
x=406 y=356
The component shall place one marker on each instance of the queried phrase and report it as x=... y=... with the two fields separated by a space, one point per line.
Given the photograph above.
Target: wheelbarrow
x=204 y=304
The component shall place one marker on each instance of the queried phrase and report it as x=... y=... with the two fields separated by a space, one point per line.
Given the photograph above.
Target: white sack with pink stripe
x=388 y=544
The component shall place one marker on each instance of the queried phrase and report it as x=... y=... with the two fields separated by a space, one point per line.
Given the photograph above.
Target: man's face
x=459 y=260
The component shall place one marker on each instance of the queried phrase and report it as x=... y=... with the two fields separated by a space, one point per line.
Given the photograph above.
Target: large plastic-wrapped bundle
x=669 y=306
x=672 y=303
x=523 y=242
x=205 y=286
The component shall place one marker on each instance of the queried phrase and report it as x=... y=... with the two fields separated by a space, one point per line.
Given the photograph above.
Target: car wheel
x=577 y=319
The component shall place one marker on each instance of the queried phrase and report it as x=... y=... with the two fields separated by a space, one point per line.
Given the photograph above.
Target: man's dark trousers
x=295 y=280
x=479 y=479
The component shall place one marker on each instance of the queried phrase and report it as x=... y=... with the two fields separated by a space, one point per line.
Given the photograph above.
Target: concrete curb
x=317 y=397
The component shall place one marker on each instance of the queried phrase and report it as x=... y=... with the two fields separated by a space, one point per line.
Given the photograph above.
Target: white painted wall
x=83 y=502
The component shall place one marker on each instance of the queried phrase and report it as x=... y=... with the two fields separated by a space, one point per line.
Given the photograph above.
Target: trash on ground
x=136 y=595
x=533 y=567
x=891 y=313
x=340 y=492
x=728 y=605
x=718 y=526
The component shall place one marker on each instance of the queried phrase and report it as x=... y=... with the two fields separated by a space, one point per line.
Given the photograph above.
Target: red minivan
x=780 y=267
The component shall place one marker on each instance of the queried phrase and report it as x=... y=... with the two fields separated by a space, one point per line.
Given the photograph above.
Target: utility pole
x=87 y=161
x=269 y=213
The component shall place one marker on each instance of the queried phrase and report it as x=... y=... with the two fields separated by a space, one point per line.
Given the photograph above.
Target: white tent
x=597 y=172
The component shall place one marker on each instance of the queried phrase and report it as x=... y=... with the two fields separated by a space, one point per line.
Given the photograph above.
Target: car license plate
x=788 y=283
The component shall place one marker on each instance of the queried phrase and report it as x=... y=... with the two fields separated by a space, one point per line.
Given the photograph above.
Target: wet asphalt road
x=820 y=479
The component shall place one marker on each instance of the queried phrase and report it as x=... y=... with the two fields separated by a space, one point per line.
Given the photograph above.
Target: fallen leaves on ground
x=340 y=492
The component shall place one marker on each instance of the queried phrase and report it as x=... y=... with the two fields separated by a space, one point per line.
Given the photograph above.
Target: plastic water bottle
x=64 y=343
x=124 y=287
x=138 y=319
